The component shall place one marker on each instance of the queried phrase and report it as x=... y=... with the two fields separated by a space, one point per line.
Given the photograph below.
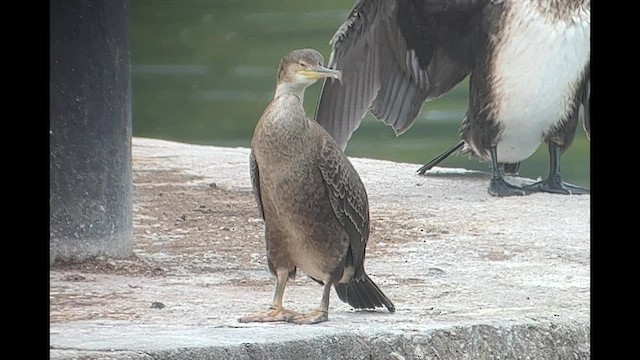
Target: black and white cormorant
x=312 y=200
x=528 y=62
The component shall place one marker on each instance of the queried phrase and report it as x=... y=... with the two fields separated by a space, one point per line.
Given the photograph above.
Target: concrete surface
x=472 y=276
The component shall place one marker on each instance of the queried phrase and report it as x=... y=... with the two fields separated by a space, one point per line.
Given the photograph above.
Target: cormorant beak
x=320 y=72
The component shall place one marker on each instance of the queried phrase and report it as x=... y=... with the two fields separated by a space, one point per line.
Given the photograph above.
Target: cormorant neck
x=296 y=90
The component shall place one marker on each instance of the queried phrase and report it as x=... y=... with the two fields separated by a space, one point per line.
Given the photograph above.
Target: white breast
x=537 y=68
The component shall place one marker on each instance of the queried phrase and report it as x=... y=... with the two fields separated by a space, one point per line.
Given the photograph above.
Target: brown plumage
x=312 y=200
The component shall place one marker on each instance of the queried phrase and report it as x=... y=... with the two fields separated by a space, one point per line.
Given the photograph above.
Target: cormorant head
x=301 y=68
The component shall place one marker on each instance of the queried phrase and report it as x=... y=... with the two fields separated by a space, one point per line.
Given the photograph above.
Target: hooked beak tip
x=338 y=76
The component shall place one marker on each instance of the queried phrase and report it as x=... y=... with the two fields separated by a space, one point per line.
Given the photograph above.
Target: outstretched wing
x=394 y=55
x=348 y=198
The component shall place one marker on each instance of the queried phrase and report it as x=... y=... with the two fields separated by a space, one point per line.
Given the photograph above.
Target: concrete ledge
x=536 y=340
x=472 y=276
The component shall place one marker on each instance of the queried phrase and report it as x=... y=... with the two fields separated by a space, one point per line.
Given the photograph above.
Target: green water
x=203 y=72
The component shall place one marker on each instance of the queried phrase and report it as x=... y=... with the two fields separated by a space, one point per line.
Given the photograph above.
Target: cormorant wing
x=255 y=182
x=394 y=55
x=348 y=198
x=586 y=105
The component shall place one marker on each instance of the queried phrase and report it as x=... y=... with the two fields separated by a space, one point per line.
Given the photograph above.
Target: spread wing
x=394 y=55
x=255 y=181
x=348 y=198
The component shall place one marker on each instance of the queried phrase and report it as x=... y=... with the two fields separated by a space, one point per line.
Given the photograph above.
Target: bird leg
x=320 y=314
x=498 y=186
x=553 y=183
x=276 y=312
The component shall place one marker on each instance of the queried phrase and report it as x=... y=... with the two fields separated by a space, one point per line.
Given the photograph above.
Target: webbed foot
x=271 y=315
x=499 y=187
x=314 y=317
x=555 y=185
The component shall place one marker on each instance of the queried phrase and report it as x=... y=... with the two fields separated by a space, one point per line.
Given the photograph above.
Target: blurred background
x=203 y=72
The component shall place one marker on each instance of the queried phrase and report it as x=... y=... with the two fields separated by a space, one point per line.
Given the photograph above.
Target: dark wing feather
x=586 y=105
x=348 y=199
x=255 y=182
x=394 y=55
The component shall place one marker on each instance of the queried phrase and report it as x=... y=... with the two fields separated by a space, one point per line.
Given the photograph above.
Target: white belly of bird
x=537 y=70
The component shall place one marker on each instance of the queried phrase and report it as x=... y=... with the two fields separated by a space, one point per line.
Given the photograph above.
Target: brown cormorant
x=528 y=63
x=312 y=200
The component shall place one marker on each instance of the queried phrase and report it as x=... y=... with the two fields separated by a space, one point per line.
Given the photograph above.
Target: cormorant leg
x=320 y=314
x=498 y=186
x=553 y=183
x=439 y=158
x=276 y=312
